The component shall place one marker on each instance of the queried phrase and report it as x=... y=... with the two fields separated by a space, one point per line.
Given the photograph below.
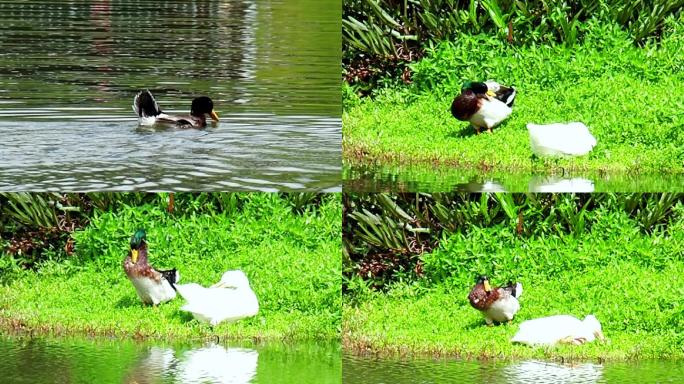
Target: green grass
x=291 y=259
x=631 y=281
x=626 y=95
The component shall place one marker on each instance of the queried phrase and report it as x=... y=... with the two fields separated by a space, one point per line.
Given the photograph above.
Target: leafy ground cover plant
x=288 y=247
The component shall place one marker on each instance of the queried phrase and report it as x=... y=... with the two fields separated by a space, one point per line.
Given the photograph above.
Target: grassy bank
x=604 y=262
x=623 y=93
x=290 y=258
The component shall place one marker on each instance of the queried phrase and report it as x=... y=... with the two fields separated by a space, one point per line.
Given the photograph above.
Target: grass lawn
x=632 y=282
x=291 y=259
x=627 y=96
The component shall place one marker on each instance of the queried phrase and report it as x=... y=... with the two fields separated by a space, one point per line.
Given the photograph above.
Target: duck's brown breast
x=480 y=299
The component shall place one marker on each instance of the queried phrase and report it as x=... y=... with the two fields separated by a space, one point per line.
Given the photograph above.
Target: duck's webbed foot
x=477 y=129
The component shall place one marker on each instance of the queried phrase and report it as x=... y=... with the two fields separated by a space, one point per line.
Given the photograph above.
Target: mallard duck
x=496 y=304
x=559 y=329
x=153 y=286
x=573 y=139
x=483 y=104
x=147 y=109
x=230 y=299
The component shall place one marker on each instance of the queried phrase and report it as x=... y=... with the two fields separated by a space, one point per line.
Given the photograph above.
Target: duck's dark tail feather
x=506 y=96
x=145 y=105
x=172 y=276
x=514 y=289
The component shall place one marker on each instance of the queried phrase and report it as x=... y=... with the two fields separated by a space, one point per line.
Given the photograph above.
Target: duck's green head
x=475 y=86
x=203 y=105
x=137 y=242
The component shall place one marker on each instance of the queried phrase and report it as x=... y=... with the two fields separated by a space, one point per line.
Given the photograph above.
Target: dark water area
x=69 y=71
x=396 y=371
x=418 y=178
x=80 y=360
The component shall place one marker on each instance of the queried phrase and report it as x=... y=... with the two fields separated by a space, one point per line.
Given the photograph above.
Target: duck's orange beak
x=214 y=116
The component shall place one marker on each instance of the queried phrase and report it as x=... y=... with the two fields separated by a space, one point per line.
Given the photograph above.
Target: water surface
x=69 y=71
x=79 y=360
x=396 y=371
x=442 y=179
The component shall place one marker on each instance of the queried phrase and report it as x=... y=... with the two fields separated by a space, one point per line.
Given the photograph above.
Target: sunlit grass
x=292 y=261
x=623 y=93
x=631 y=281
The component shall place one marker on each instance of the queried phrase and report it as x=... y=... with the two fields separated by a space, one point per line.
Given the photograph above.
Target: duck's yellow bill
x=214 y=116
x=491 y=93
x=134 y=255
x=487 y=287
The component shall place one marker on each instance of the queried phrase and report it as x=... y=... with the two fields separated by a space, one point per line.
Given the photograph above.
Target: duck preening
x=230 y=299
x=483 y=104
x=496 y=304
x=557 y=329
x=149 y=113
x=572 y=139
x=153 y=286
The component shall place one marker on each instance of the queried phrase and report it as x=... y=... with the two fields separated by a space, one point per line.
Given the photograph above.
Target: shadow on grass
x=128 y=302
x=465 y=131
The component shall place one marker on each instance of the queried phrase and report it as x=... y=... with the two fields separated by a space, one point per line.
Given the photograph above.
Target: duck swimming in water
x=153 y=286
x=149 y=113
x=496 y=304
x=483 y=104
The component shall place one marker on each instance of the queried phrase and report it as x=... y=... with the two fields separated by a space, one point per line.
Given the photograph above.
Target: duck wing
x=171 y=275
x=513 y=289
x=145 y=105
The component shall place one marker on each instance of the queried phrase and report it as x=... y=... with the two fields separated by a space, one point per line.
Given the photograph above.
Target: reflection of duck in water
x=149 y=113
x=546 y=372
x=230 y=299
x=210 y=364
x=216 y=364
x=555 y=184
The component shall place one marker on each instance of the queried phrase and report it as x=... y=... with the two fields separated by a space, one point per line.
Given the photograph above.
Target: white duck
x=230 y=299
x=573 y=139
x=559 y=329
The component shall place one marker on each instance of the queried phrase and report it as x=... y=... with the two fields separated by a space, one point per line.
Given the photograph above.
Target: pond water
x=438 y=179
x=69 y=71
x=395 y=371
x=76 y=360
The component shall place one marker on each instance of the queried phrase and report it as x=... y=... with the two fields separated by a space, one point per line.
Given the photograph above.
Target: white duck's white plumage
x=491 y=113
x=230 y=299
x=572 y=139
x=558 y=329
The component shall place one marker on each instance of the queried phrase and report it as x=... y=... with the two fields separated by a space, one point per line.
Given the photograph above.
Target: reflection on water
x=557 y=184
x=69 y=71
x=420 y=178
x=541 y=372
x=75 y=360
x=357 y=369
x=213 y=364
